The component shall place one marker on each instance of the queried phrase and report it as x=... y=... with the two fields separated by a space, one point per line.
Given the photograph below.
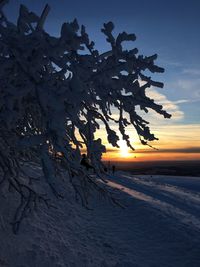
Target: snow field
x=160 y=226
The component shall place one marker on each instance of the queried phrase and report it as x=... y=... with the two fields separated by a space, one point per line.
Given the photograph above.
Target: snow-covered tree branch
x=56 y=92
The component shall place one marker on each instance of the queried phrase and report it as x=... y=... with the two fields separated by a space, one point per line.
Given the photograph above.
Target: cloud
x=188 y=84
x=170 y=63
x=187 y=88
x=178 y=132
x=181 y=101
x=191 y=71
x=170 y=106
x=187 y=150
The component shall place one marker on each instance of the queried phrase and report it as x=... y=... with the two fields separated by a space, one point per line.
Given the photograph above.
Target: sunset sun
x=124 y=150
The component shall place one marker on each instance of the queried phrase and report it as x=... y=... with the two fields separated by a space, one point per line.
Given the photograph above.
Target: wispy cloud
x=188 y=88
x=189 y=133
x=181 y=101
x=188 y=84
x=195 y=150
x=170 y=106
x=191 y=71
x=170 y=63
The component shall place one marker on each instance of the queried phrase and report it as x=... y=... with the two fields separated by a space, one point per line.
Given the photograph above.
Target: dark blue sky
x=170 y=28
x=172 y=24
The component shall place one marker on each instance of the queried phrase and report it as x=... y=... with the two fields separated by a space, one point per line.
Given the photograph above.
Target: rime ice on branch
x=56 y=92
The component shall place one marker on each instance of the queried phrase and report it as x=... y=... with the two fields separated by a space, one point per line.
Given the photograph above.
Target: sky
x=168 y=28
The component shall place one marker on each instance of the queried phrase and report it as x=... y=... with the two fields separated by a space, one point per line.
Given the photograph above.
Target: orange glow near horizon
x=167 y=150
x=176 y=142
x=154 y=156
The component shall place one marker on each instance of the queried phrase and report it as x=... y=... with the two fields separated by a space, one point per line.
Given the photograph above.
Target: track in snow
x=176 y=201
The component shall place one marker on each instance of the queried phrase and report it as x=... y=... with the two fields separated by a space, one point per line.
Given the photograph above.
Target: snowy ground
x=160 y=226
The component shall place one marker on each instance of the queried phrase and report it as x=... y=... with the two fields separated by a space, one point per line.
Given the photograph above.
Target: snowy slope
x=160 y=226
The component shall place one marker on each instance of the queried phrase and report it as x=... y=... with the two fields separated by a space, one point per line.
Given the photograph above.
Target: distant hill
x=184 y=168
